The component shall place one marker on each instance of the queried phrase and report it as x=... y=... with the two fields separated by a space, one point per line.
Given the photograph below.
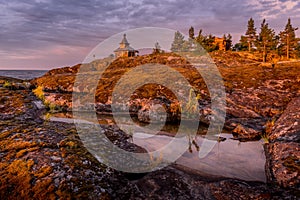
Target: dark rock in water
x=283 y=150
x=245 y=134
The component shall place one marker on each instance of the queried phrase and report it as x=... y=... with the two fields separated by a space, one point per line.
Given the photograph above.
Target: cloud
x=266 y=8
x=34 y=27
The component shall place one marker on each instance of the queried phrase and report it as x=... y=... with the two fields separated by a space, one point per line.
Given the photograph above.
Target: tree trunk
x=249 y=46
x=287 y=47
x=264 y=53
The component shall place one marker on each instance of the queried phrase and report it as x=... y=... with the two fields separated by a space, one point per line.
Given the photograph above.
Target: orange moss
x=24 y=151
x=44 y=189
x=13 y=145
x=19 y=178
x=44 y=171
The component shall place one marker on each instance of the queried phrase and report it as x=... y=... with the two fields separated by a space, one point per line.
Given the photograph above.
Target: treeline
x=265 y=42
x=208 y=42
x=284 y=45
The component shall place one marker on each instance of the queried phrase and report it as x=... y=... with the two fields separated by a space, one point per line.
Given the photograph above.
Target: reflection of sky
x=50 y=33
x=230 y=158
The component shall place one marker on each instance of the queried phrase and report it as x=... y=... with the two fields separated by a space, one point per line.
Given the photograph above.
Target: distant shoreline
x=22 y=74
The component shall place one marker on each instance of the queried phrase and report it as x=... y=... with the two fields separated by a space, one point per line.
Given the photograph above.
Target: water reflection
x=229 y=158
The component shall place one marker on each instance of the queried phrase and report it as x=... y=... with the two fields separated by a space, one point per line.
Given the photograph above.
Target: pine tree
x=288 y=40
x=266 y=39
x=250 y=37
x=297 y=51
x=192 y=33
x=250 y=33
x=178 y=42
x=244 y=45
x=157 y=48
x=228 y=42
x=200 y=38
x=209 y=43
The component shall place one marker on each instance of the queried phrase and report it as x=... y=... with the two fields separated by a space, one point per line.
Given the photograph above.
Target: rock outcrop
x=255 y=94
x=283 y=149
x=41 y=159
x=47 y=160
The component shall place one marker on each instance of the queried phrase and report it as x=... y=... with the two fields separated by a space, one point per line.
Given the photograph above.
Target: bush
x=39 y=93
x=7 y=84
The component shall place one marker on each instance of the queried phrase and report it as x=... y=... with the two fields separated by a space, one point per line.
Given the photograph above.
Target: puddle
x=229 y=158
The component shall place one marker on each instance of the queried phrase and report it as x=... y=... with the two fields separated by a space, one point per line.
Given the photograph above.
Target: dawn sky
x=44 y=34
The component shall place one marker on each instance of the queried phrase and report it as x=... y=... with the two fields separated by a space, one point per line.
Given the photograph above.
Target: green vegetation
x=268 y=130
x=157 y=49
x=191 y=108
x=267 y=40
x=177 y=45
x=265 y=138
x=269 y=46
x=51 y=107
x=250 y=37
x=288 y=41
x=7 y=84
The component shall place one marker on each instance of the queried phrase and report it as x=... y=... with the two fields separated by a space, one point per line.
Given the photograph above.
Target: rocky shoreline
x=41 y=159
x=46 y=160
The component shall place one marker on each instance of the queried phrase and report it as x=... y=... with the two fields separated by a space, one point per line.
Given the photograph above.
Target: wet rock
x=245 y=134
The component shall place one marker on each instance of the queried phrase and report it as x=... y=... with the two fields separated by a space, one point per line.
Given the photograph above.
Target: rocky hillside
x=256 y=93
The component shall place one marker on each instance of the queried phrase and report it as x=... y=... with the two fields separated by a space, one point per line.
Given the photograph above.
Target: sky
x=45 y=34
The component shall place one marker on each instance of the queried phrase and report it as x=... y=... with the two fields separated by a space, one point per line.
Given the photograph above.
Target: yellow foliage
x=39 y=93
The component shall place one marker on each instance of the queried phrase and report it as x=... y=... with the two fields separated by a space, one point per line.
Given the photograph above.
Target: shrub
x=7 y=84
x=191 y=107
x=39 y=93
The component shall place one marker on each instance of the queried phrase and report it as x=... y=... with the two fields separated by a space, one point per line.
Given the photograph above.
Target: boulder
x=283 y=150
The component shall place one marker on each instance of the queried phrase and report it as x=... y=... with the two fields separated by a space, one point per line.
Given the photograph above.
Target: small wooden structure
x=125 y=50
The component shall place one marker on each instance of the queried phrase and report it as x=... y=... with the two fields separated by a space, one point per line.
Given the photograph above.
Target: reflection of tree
x=192 y=140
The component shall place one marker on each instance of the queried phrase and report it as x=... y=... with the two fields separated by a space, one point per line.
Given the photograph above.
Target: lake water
x=23 y=74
